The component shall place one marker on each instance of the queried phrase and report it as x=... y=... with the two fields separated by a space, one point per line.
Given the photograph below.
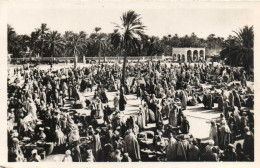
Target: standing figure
x=184 y=99
x=224 y=138
x=122 y=102
x=171 y=149
x=173 y=116
x=213 y=134
x=131 y=146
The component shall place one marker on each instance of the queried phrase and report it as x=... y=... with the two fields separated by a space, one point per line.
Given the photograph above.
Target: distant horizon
x=159 y=20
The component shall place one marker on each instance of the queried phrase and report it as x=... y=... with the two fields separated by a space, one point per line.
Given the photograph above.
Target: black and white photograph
x=129 y=82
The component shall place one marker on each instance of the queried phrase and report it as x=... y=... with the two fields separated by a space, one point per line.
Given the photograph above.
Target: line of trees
x=128 y=38
x=45 y=42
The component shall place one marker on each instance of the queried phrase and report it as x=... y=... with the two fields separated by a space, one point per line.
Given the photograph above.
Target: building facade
x=188 y=54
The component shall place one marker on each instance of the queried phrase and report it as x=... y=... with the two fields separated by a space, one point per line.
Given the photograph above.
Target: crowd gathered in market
x=65 y=113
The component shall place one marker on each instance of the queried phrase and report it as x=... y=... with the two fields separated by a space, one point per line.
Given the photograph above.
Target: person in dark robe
x=248 y=145
x=243 y=80
x=130 y=123
x=184 y=99
x=107 y=113
x=194 y=152
x=171 y=149
x=158 y=114
x=103 y=95
x=75 y=93
x=107 y=152
x=165 y=108
x=193 y=101
x=220 y=102
x=152 y=103
x=207 y=100
x=179 y=117
x=83 y=85
x=158 y=141
x=122 y=102
x=210 y=101
x=212 y=155
x=185 y=126
x=231 y=99
x=110 y=127
x=76 y=155
x=237 y=101
x=230 y=153
x=243 y=122
x=240 y=154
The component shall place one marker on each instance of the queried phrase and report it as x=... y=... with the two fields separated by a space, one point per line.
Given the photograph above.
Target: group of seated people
x=43 y=116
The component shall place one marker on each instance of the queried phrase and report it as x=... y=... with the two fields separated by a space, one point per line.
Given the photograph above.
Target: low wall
x=128 y=58
x=134 y=58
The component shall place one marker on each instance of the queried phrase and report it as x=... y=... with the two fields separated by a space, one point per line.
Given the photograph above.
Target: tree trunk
x=123 y=70
x=75 y=60
x=99 y=55
x=52 y=55
x=41 y=48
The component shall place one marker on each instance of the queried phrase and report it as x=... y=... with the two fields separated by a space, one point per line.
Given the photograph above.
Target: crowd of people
x=47 y=114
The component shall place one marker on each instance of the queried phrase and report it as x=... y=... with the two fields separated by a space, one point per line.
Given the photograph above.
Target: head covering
x=231 y=145
x=15 y=134
x=246 y=129
x=68 y=152
x=213 y=122
x=223 y=122
x=211 y=142
x=186 y=136
x=34 y=151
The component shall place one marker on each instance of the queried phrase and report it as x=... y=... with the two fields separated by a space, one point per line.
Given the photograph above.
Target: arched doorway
x=174 y=57
x=179 y=57
x=183 y=57
x=189 y=55
x=195 y=55
x=201 y=55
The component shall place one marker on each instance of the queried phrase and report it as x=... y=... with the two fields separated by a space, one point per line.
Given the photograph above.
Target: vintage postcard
x=153 y=83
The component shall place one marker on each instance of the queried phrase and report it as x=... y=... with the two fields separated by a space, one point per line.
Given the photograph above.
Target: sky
x=159 y=18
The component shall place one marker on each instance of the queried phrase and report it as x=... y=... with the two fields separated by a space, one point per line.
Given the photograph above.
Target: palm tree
x=239 y=49
x=75 y=45
x=12 y=39
x=100 y=41
x=131 y=30
x=34 y=45
x=43 y=32
x=54 y=43
x=115 y=41
x=66 y=37
x=97 y=29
